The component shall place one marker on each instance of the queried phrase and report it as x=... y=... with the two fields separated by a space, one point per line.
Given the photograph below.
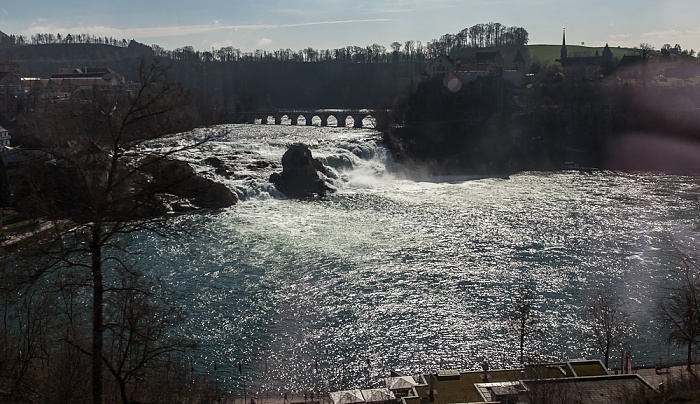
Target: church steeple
x=564 y=52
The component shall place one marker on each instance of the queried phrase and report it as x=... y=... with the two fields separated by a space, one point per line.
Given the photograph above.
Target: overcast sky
x=330 y=24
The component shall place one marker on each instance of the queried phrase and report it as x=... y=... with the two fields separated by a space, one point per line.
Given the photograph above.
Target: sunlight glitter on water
x=412 y=275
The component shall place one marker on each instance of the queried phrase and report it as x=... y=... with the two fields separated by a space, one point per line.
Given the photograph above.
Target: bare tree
x=102 y=186
x=679 y=304
x=645 y=48
x=136 y=333
x=523 y=318
x=608 y=321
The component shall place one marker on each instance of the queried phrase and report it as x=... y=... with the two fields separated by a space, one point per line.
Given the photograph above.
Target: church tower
x=564 y=52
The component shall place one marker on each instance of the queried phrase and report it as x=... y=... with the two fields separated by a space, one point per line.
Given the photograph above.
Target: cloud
x=222 y=44
x=265 y=42
x=178 y=31
x=684 y=37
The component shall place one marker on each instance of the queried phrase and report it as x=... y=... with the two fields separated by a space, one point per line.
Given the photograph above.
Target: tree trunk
x=690 y=357
x=97 y=311
x=122 y=390
x=607 y=356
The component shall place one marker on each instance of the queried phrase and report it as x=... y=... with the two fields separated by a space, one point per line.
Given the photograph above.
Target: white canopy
x=378 y=395
x=400 y=383
x=346 y=397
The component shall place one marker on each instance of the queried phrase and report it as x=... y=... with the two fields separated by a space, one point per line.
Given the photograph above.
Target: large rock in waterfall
x=179 y=179
x=302 y=175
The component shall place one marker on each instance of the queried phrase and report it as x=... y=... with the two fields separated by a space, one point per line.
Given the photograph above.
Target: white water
x=412 y=273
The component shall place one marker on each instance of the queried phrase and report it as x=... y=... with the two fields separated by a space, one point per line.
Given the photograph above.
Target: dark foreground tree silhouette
x=104 y=181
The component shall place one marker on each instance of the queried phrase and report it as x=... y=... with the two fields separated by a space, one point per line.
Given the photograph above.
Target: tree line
x=49 y=39
x=477 y=36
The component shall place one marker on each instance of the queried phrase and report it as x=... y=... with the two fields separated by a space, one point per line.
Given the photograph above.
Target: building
x=577 y=381
x=11 y=86
x=78 y=84
x=440 y=67
x=585 y=66
x=519 y=62
x=90 y=76
x=474 y=64
x=4 y=138
x=481 y=64
x=5 y=40
x=368 y=396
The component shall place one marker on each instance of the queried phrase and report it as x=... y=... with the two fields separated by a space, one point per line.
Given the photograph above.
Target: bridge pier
x=341 y=120
x=358 y=120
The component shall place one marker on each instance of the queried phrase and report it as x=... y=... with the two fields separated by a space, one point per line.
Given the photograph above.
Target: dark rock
x=214 y=162
x=158 y=187
x=302 y=175
x=179 y=178
x=257 y=165
x=223 y=172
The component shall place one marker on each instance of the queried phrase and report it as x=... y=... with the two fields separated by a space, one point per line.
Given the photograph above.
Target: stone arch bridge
x=294 y=117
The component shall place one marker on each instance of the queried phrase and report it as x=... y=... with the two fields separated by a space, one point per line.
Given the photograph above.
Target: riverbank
x=17 y=228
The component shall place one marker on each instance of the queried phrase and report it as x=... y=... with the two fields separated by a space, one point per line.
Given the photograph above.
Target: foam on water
x=412 y=275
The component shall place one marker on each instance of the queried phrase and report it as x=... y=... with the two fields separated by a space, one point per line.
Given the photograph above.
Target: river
x=400 y=271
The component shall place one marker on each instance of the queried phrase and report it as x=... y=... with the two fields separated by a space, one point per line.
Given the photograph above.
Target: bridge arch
x=308 y=117
x=267 y=119
x=357 y=120
x=294 y=119
x=339 y=119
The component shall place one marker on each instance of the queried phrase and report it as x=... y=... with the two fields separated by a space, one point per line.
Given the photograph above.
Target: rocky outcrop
x=179 y=179
x=144 y=188
x=302 y=175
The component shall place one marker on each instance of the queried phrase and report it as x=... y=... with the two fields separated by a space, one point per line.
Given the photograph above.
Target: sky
x=331 y=24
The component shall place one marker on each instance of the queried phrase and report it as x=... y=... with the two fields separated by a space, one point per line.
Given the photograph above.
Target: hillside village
x=509 y=64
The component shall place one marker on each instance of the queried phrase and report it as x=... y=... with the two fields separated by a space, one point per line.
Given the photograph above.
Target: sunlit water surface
x=405 y=272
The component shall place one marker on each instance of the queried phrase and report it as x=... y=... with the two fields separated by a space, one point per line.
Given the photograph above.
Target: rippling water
x=401 y=272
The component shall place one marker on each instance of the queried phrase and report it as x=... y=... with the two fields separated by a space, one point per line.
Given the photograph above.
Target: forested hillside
x=349 y=77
